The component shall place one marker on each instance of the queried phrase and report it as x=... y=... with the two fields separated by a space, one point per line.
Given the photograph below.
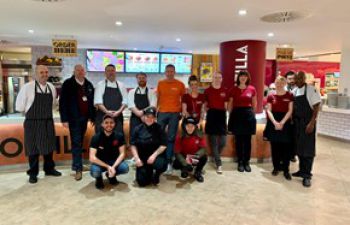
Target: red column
x=244 y=55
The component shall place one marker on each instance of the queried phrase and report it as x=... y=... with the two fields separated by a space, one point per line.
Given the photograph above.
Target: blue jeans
x=96 y=170
x=172 y=120
x=77 y=129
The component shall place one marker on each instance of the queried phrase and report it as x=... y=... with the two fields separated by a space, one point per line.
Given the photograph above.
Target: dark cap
x=190 y=120
x=106 y=117
x=150 y=111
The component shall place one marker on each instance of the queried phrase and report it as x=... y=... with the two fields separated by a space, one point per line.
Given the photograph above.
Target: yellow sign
x=284 y=54
x=206 y=72
x=66 y=48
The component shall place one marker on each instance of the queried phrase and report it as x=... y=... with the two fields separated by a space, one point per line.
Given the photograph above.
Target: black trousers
x=198 y=168
x=49 y=164
x=305 y=166
x=243 y=147
x=281 y=153
x=145 y=173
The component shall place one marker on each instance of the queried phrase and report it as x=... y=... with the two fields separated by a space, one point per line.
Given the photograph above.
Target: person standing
x=139 y=99
x=290 y=75
x=36 y=100
x=305 y=110
x=170 y=92
x=193 y=102
x=216 y=100
x=110 y=98
x=76 y=109
x=107 y=152
x=278 y=128
x=148 y=143
x=242 y=122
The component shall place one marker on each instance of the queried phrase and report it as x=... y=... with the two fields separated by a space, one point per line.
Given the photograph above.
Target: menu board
x=136 y=62
x=182 y=62
x=97 y=60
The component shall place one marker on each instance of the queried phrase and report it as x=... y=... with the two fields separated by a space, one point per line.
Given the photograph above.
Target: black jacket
x=68 y=103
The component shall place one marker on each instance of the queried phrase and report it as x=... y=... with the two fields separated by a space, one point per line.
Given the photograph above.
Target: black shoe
x=307 y=182
x=112 y=180
x=287 y=176
x=184 y=174
x=296 y=174
x=294 y=159
x=274 y=172
x=33 y=179
x=54 y=173
x=240 y=167
x=198 y=176
x=99 y=183
x=247 y=167
x=155 y=179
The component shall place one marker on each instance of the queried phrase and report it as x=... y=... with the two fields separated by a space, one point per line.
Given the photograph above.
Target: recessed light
x=135 y=49
x=119 y=23
x=178 y=39
x=285 y=46
x=242 y=12
x=270 y=34
x=31 y=31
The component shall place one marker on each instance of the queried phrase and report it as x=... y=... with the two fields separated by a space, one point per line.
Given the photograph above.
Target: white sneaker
x=219 y=170
x=169 y=170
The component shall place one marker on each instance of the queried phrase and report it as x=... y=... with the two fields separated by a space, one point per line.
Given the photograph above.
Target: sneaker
x=169 y=169
x=247 y=167
x=240 y=167
x=184 y=174
x=307 y=182
x=78 y=175
x=219 y=170
x=294 y=159
x=198 y=176
x=274 y=172
x=33 y=179
x=99 y=183
x=296 y=174
x=54 y=173
x=287 y=176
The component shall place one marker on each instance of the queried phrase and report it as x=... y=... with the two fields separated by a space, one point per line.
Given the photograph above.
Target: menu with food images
x=146 y=62
x=97 y=60
x=182 y=62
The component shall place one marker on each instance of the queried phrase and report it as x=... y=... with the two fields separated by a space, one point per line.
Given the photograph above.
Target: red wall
x=318 y=69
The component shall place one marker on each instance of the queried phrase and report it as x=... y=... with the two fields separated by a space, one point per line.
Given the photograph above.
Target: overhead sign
x=65 y=48
x=284 y=54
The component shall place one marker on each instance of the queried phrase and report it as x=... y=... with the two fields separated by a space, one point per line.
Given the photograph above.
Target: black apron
x=39 y=129
x=112 y=100
x=302 y=114
x=242 y=121
x=216 y=122
x=285 y=135
x=141 y=102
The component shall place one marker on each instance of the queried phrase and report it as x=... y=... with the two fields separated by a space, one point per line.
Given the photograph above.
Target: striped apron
x=39 y=130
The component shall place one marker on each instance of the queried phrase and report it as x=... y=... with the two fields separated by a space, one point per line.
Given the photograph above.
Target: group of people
x=155 y=144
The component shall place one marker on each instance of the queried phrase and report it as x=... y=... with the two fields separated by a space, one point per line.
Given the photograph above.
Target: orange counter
x=12 y=146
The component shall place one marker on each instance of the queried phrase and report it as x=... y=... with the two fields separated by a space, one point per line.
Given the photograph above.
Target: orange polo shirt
x=169 y=95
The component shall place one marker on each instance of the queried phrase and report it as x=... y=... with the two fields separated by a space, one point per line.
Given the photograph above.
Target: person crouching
x=190 y=150
x=107 y=153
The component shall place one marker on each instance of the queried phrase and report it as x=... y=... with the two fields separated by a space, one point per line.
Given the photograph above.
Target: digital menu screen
x=182 y=62
x=97 y=60
x=136 y=62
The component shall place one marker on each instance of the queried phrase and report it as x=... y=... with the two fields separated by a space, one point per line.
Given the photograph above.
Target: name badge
x=84 y=98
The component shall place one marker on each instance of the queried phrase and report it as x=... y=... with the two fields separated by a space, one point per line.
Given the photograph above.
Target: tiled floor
x=231 y=198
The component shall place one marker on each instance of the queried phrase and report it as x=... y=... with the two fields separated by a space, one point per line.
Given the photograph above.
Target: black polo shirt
x=107 y=146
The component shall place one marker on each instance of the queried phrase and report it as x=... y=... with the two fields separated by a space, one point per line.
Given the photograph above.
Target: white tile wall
x=334 y=124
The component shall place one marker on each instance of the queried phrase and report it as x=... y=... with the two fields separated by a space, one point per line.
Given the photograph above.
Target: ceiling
x=155 y=24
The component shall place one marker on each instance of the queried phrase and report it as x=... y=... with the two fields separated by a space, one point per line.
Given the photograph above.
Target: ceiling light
x=242 y=12
x=31 y=31
x=135 y=49
x=285 y=46
x=178 y=39
x=119 y=23
x=270 y=34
